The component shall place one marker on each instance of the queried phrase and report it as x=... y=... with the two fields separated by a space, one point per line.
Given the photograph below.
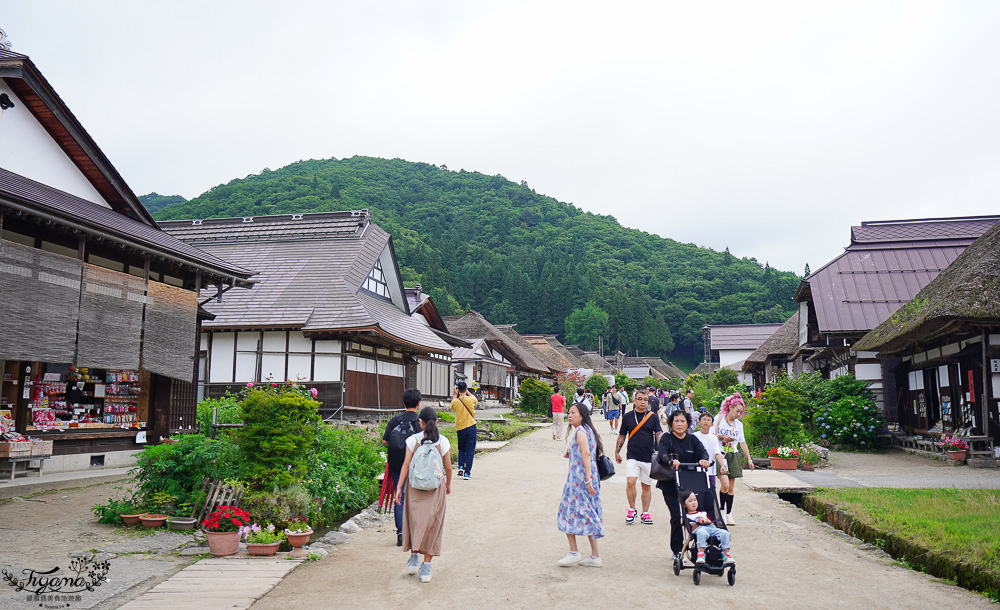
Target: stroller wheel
x=731 y=576
x=697 y=577
x=677 y=565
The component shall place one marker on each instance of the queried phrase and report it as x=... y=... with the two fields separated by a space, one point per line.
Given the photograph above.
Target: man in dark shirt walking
x=641 y=430
x=400 y=428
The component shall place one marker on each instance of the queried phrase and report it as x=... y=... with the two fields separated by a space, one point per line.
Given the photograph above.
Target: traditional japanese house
x=435 y=374
x=641 y=367
x=329 y=310
x=100 y=327
x=771 y=359
x=730 y=344
x=557 y=356
x=945 y=344
x=885 y=266
x=520 y=362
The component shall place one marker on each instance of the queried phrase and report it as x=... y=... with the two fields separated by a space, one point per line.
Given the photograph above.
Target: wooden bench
x=12 y=464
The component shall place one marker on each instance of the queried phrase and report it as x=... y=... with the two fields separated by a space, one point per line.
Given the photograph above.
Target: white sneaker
x=571 y=559
x=592 y=562
x=729 y=519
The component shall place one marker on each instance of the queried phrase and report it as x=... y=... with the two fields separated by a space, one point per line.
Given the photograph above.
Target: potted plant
x=809 y=457
x=130 y=516
x=954 y=447
x=222 y=527
x=181 y=522
x=298 y=533
x=262 y=541
x=783 y=458
x=153 y=520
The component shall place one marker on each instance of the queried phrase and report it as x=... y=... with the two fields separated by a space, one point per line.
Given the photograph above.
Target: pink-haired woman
x=729 y=429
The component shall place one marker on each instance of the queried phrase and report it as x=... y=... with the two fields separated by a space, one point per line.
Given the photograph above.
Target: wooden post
x=986 y=384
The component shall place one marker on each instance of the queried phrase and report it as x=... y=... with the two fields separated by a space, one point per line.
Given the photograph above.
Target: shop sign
x=84 y=574
x=995 y=365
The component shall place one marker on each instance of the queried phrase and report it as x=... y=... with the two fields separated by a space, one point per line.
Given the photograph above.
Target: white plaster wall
x=729 y=356
x=868 y=372
x=27 y=149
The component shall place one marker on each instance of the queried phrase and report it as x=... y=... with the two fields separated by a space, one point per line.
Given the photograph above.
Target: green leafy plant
x=112 y=511
x=445 y=416
x=256 y=534
x=597 y=384
x=850 y=423
x=775 y=420
x=279 y=429
x=534 y=395
x=162 y=502
x=179 y=468
x=228 y=411
x=810 y=454
x=724 y=378
x=341 y=472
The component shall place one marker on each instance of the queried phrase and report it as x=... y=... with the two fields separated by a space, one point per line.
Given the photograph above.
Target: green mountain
x=486 y=243
x=155 y=202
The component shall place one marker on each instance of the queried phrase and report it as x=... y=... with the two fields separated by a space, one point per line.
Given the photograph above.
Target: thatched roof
x=967 y=291
x=474 y=326
x=783 y=341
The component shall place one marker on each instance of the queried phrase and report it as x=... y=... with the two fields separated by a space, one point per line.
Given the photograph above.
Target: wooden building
x=946 y=346
x=730 y=344
x=435 y=372
x=100 y=326
x=886 y=264
x=772 y=358
x=329 y=309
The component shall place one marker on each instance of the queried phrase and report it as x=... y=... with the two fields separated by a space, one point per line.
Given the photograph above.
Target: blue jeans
x=397 y=509
x=466 y=448
x=703 y=533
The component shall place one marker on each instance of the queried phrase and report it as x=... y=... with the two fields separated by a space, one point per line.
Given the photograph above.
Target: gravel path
x=897 y=469
x=501 y=546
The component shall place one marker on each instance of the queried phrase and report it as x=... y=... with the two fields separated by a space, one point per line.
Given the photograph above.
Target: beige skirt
x=423 y=520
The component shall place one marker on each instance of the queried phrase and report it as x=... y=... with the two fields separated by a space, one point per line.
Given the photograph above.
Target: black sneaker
x=399 y=539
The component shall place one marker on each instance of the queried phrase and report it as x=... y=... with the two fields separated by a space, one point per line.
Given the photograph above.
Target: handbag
x=605 y=468
x=659 y=470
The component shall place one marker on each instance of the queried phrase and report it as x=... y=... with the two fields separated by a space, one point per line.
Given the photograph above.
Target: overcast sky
x=767 y=127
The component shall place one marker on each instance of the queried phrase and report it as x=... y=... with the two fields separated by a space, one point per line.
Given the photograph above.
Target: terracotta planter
x=297 y=541
x=263 y=549
x=784 y=463
x=151 y=521
x=131 y=520
x=807 y=466
x=956 y=455
x=221 y=544
x=182 y=523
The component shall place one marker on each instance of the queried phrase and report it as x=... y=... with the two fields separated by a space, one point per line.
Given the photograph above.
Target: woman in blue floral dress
x=580 y=509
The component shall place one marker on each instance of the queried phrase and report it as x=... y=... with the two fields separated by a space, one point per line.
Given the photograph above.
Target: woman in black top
x=678 y=446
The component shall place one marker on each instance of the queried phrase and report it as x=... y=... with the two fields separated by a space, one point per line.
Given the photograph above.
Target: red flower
x=236 y=522
x=215 y=526
x=228 y=516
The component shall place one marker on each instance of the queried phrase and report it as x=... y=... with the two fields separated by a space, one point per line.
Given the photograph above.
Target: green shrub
x=851 y=423
x=229 y=412
x=674 y=383
x=534 y=395
x=179 y=468
x=111 y=512
x=597 y=384
x=724 y=378
x=703 y=396
x=341 y=471
x=774 y=421
x=280 y=506
x=279 y=429
x=446 y=416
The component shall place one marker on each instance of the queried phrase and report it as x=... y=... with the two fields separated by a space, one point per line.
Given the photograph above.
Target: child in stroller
x=701 y=526
x=706 y=539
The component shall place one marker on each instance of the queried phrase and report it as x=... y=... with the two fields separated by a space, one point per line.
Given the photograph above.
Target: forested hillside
x=486 y=243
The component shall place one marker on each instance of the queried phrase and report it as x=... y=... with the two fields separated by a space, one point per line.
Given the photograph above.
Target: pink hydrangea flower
x=314 y=392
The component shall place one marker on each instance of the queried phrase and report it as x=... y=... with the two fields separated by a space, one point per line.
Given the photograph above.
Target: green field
x=963 y=524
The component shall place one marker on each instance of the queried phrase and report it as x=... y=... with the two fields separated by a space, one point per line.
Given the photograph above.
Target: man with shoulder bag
x=464 y=406
x=400 y=428
x=641 y=430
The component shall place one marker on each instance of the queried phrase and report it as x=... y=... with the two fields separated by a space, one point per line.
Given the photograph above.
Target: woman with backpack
x=426 y=472
x=580 y=511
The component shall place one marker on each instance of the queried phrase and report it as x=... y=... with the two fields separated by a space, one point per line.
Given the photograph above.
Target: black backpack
x=397 y=442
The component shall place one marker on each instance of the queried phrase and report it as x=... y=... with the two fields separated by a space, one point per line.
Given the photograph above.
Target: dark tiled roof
x=311 y=268
x=740 y=336
x=918 y=230
x=474 y=326
x=11 y=55
x=968 y=290
x=783 y=341
x=107 y=222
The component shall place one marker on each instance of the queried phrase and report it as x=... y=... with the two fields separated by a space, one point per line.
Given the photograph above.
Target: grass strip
x=950 y=533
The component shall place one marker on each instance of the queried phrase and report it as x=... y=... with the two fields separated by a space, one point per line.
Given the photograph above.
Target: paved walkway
x=897 y=469
x=219 y=582
x=501 y=546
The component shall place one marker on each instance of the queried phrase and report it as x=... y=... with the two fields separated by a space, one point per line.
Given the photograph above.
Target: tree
x=597 y=384
x=807 y=272
x=585 y=326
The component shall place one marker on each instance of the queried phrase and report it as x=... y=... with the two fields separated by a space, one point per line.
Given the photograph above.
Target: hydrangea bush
x=850 y=422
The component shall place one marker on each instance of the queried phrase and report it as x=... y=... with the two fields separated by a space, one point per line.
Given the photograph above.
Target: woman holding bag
x=580 y=511
x=675 y=448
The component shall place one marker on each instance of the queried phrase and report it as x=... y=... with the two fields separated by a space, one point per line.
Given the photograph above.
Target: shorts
x=609 y=415
x=718 y=470
x=734 y=463
x=635 y=468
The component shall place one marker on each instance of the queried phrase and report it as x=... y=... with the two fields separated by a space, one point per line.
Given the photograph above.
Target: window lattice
x=375 y=283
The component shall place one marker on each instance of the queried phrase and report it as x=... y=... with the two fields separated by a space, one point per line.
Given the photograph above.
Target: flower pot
x=131 y=520
x=221 y=544
x=956 y=455
x=151 y=521
x=263 y=549
x=297 y=541
x=784 y=463
x=182 y=523
x=806 y=466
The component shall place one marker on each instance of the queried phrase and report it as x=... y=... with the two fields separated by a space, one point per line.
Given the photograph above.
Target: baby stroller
x=692 y=477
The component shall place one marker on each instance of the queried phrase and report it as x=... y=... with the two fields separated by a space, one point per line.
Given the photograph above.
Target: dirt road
x=501 y=546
